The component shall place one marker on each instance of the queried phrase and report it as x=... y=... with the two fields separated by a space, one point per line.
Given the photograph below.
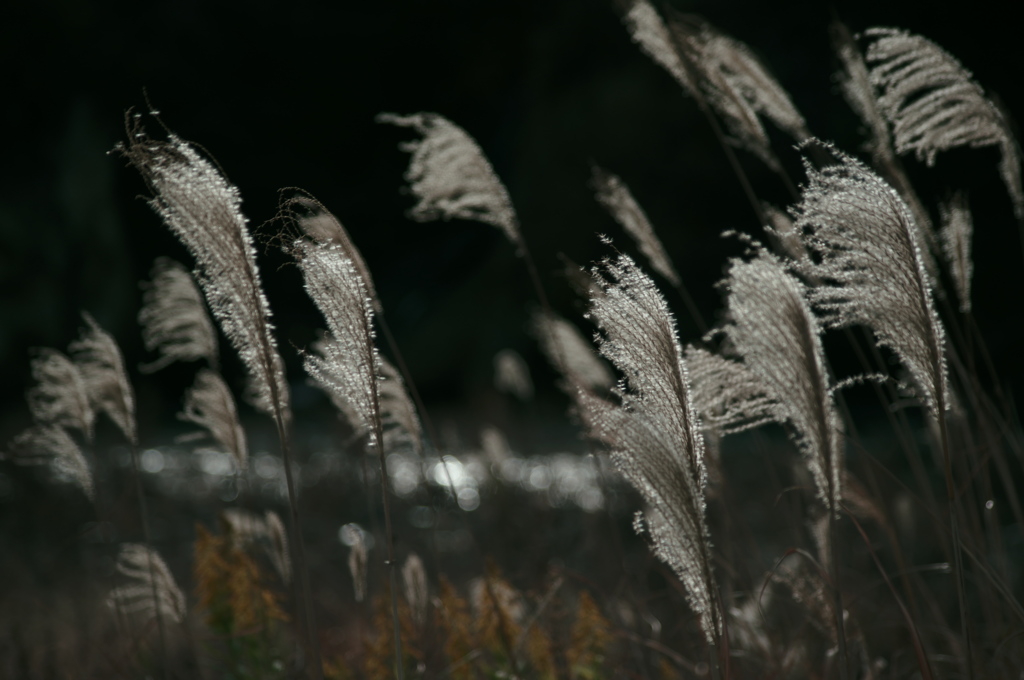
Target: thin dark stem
x=148 y=538
x=954 y=522
x=299 y=543
x=378 y=431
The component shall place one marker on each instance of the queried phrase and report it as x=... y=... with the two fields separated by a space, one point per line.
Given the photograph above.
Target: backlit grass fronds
x=59 y=396
x=347 y=364
x=648 y=30
x=855 y=82
x=654 y=433
x=512 y=375
x=210 y=405
x=737 y=86
x=52 y=445
x=771 y=328
x=728 y=396
x=616 y=197
x=934 y=104
x=414 y=581
x=101 y=365
x=203 y=210
x=266 y=533
x=783 y=232
x=174 y=318
x=955 y=235
x=451 y=177
x=151 y=590
x=358 y=562
x=568 y=351
x=868 y=256
x=402 y=427
x=319 y=224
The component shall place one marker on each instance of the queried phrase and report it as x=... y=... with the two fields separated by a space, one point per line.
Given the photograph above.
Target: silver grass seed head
x=318 y=223
x=451 y=177
x=51 y=445
x=868 y=259
x=933 y=104
x=654 y=433
x=615 y=196
x=59 y=396
x=737 y=86
x=773 y=331
x=174 y=319
x=955 y=237
x=855 y=83
x=512 y=375
x=101 y=366
x=567 y=350
x=146 y=573
x=348 y=364
x=648 y=30
x=402 y=427
x=414 y=580
x=210 y=405
x=203 y=210
x=358 y=564
x=728 y=397
x=265 y=532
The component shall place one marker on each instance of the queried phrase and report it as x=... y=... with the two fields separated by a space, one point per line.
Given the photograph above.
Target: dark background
x=285 y=94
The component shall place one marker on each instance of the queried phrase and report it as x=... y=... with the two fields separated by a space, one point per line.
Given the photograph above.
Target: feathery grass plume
x=51 y=444
x=567 y=350
x=727 y=395
x=616 y=197
x=451 y=177
x=772 y=329
x=868 y=255
x=152 y=591
x=333 y=282
x=933 y=104
x=59 y=396
x=648 y=30
x=101 y=366
x=266 y=532
x=781 y=229
x=414 y=578
x=737 y=86
x=955 y=235
x=398 y=414
x=203 y=210
x=345 y=364
x=319 y=224
x=512 y=375
x=210 y=405
x=654 y=433
x=358 y=563
x=855 y=83
x=174 y=319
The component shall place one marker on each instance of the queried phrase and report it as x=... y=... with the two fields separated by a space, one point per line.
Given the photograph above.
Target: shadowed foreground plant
x=653 y=432
x=241 y=606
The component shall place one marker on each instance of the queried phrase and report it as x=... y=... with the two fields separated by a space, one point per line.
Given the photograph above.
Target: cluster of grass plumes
x=839 y=557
